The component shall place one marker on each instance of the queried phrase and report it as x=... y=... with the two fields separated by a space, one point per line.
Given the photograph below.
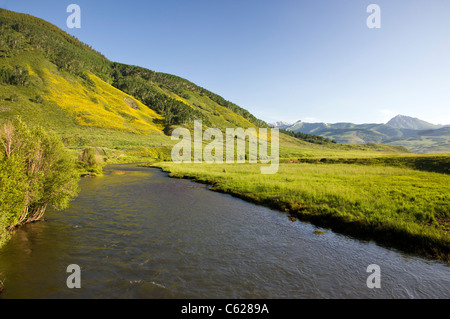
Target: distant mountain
x=402 y=121
x=307 y=128
x=415 y=134
x=280 y=124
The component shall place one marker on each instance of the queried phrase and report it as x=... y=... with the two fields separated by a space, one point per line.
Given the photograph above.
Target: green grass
x=429 y=163
x=400 y=207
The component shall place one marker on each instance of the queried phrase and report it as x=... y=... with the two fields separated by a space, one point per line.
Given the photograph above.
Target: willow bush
x=36 y=172
x=90 y=162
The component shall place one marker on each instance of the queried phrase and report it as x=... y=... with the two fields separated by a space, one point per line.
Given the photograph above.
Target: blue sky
x=285 y=60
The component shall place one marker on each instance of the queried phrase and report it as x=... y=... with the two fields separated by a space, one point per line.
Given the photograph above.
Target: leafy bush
x=36 y=171
x=90 y=162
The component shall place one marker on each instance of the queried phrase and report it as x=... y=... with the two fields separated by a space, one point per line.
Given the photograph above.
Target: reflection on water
x=136 y=233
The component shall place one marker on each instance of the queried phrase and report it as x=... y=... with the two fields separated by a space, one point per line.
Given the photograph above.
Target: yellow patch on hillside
x=31 y=71
x=100 y=105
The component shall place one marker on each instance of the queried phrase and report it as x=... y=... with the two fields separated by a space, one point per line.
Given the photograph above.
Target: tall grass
x=398 y=206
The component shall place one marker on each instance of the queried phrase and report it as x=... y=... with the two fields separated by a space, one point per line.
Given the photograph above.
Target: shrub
x=36 y=171
x=90 y=161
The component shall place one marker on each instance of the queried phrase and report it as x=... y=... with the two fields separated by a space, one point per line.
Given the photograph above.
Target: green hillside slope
x=127 y=112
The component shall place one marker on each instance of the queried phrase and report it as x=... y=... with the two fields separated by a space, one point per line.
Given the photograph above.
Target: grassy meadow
x=396 y=206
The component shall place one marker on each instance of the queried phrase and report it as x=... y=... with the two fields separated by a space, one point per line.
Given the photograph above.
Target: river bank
x=396 y=207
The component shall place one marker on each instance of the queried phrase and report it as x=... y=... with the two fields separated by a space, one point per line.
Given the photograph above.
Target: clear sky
x=285 y=60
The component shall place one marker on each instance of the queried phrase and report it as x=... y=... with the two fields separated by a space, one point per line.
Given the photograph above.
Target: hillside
x=50 y=78
x=163 y=93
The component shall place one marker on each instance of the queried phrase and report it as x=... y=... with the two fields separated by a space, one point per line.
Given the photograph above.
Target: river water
x=136 y=233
